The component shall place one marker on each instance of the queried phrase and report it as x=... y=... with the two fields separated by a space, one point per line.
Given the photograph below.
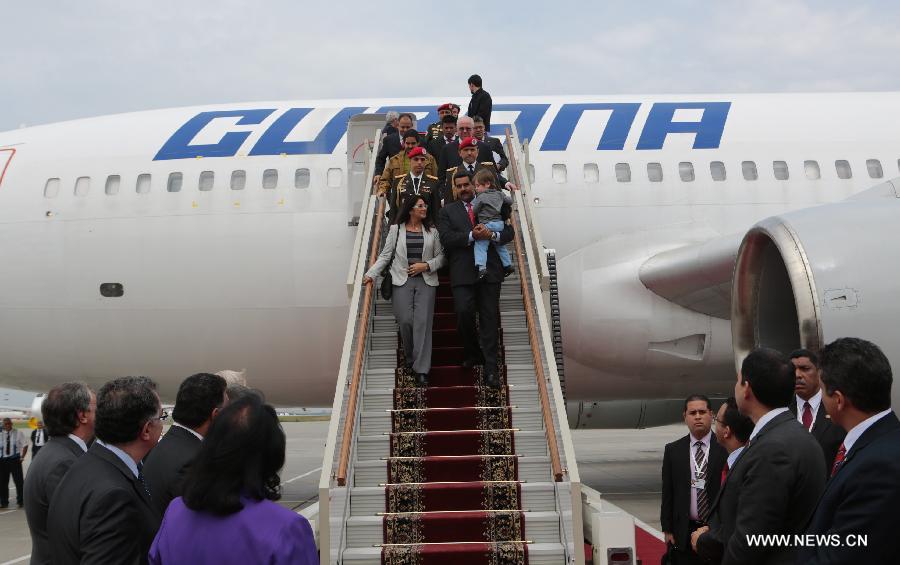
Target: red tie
x=471 y=212
x=838 y=459
x=724 y=473
x=807 y=416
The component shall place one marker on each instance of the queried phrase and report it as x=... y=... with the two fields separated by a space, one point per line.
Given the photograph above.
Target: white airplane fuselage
x=253 y=277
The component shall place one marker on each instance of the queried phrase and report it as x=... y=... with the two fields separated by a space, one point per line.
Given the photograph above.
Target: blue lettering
x=431 y=115
x=526 y=123
x=179 y=145
x=614 y=134
x=273 y=141
x=709 y=129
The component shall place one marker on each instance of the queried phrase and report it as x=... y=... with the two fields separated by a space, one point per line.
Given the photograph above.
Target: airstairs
x=457 y=472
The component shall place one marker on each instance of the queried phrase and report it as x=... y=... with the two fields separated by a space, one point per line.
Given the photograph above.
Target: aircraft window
x=335 y=178
x=531 y=171
x=238 y=180
x=51 y=189
x=717 y=170
x=112 y=185
x=301 y=178
x=812 y=170
x=559 y=173
x=874 y=167
x=623 y=172
x=175 y=182
x=270 y=178
x=843 y=169
x=206 y=181
x=686 y=171
x=143 y=184
x=749 y=170
x=654 y=172
x=591 y=172
x=781 y=170
x=82 y=186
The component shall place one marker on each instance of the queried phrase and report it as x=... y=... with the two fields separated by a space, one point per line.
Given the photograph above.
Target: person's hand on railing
x=511 y=186
x=367 y=280
x=375 y=180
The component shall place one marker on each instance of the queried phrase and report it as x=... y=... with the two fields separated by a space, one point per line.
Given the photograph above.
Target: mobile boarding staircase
x=457 y=472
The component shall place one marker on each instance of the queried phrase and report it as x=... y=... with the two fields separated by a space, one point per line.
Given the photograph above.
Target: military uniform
x=448 y=190
x=399 y=165
x=403 y=186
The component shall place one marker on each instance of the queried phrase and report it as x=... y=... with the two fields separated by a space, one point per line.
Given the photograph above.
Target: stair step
x=373 y=472
x=536 y=497
x=517 y=374
x=530 y=443
x=379 y=422
x=538 y=554
x=383 y=398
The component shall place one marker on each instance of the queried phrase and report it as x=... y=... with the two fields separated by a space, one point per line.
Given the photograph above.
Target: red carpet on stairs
x=453 y=495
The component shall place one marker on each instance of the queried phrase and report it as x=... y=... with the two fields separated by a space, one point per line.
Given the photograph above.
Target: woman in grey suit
x=417 y=259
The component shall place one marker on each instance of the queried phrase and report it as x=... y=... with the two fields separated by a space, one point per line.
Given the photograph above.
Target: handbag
x=387 y=282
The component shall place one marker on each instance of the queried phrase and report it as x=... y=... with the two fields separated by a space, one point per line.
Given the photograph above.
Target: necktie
x=471 y=213
x=7 y=452
x=838 y=459
x=416 y=183
x=140 y=478
x=807 y=416
x=702 y=496
x=471 y=169
x=724 y=474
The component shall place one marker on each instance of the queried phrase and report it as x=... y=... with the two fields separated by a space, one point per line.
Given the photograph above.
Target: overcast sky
x=67 y=59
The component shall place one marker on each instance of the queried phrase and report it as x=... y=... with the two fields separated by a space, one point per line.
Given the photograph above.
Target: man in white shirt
x=863 y=494
x=13 y=449
x=807 y=405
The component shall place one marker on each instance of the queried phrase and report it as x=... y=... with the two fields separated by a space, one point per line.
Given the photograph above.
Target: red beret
x=416 y=152
x=468 y=142
x=444 y=106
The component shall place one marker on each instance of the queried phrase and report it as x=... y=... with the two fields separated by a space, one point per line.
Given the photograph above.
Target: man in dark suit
x=39 y=437
x=778 y=477
x=690 y=478
x=200 y=398
x=392 y=144
x=468 y=153
x=459 y=230
x=68 y=413
x=733 y=430
x=863 y=494
x=450 y=156
x=447 y=135
x=101 y=512
x=481 y=103
x=498 y=155
x=807 y=405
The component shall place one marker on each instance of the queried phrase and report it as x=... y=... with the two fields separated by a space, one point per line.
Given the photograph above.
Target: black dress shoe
x=491 y=380
x=508 y=271
x=422 y=380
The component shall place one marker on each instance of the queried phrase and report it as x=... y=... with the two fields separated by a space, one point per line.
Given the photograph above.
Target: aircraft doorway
x=6 y=156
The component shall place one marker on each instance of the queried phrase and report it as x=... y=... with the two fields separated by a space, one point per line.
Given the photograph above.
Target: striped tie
x=702 y=495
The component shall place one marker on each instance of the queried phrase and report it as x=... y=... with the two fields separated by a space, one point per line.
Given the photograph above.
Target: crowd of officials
x=803 y=465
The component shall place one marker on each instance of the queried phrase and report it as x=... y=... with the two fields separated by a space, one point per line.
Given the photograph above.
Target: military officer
x=415 y=182
x=468 y=152
x=399 y=164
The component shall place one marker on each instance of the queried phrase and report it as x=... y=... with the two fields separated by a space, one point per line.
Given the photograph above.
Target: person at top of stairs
x=459 y=230
x=413 y=249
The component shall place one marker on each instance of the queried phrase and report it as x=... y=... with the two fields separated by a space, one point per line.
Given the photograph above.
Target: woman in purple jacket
x=227 y=513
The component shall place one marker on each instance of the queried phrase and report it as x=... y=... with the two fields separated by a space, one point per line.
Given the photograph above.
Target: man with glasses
x=416 y=182
x=199 y=400
x=450 y=157
x=102 y=512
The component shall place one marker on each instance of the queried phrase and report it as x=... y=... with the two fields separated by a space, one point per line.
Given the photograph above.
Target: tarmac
x=623 y=465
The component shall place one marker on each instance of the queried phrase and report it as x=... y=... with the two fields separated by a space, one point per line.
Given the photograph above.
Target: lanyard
x=697 y=466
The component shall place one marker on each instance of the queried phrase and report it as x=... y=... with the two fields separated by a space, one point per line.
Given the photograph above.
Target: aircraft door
x=361 y=130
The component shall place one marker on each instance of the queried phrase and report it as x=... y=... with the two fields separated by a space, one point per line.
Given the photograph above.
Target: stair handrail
x=546 y=411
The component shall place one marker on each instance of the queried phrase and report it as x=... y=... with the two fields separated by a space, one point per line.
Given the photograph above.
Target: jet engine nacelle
x=806 y=278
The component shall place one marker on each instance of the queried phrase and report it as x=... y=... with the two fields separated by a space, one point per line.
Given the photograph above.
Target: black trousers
x=481 y=342
x=10 y=466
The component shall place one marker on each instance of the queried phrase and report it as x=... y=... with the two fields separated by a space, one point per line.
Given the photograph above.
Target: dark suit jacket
x=449 y=155
x=436 y=146
x=772 y=489
x=45 y=473
x=100 y=513
x=166 y=465
x=862 y=498
x=390 y=146
x=480 y=105
x=454 y=227
x=827 y=433
x=445 y=186
x=676 y=481
x=497 y=147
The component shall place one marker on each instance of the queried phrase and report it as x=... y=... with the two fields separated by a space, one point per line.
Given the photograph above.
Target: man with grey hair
x=68 y=412
x=449 y=157
x=102 y=511
x=390 y=123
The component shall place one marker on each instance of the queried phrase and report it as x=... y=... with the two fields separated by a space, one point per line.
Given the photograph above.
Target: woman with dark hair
x=415 y=246
x=227 y=513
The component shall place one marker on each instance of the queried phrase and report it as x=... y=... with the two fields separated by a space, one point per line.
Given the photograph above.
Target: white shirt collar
x=814 y=402
x=767 y=417
x=123 y=456
x=732 y=457
x=860 y=428
x=198 y=436
x=79 y=442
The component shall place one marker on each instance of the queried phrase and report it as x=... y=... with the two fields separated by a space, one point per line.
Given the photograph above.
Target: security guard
x=399 y=164
x=415 y=182
x=434 y=131
x=448 y=135
x=468 y=151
